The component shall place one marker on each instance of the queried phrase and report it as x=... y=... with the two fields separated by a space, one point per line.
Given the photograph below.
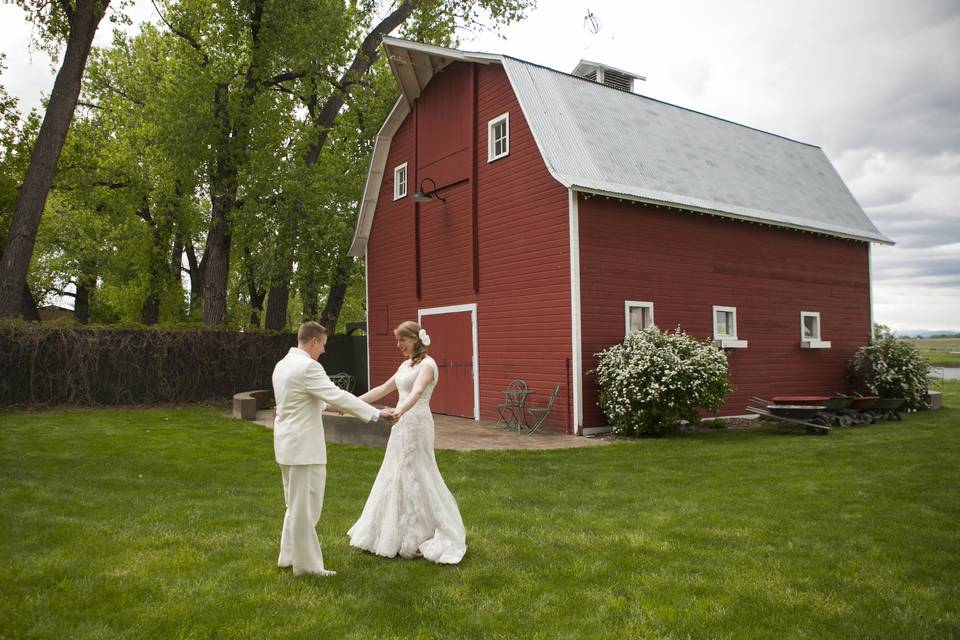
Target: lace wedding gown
x=410 y=511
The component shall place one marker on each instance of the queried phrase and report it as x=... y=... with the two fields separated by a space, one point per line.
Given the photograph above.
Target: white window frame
x=730 y=341
x=400 y=186
x=815 y=342
x=491 y=141
x=634 y=304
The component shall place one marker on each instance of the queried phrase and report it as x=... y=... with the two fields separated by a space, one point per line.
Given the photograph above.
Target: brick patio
x=460 y=434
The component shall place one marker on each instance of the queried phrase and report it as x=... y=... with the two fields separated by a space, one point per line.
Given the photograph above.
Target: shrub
x=891 y=368
x=654 y=379
x=44 y=364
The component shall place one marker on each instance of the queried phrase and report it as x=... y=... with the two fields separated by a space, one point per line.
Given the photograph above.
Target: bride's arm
x=378 y=392
x=424 y=377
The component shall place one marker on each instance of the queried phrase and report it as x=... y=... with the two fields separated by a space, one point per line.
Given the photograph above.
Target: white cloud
x=875 y=83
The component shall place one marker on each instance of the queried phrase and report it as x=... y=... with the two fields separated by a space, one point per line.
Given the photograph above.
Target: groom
x=302 y=389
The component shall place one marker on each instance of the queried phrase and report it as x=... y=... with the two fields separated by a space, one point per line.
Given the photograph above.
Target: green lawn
x=941 y=352
x=164 y=524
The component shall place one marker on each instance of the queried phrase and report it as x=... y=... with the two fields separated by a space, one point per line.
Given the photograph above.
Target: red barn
x=565 y=210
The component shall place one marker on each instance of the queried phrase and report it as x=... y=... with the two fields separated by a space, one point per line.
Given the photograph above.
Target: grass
x=941 y=352
x=164 y=524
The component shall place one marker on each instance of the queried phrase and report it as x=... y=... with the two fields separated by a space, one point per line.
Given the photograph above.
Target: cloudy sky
x=875 y=83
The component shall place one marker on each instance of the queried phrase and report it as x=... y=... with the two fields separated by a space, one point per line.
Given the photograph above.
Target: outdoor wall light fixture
x=427 y=196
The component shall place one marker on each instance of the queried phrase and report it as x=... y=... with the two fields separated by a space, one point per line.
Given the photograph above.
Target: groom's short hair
x=310 y=330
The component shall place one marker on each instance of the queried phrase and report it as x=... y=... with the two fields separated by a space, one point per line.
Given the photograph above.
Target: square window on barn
x=498 y=137
x=639 y=315
x=400 y=181
x=810 y=331
x=725 y=328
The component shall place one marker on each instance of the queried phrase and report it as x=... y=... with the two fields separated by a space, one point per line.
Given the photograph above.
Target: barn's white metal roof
x=609 y=141
x=601 y=140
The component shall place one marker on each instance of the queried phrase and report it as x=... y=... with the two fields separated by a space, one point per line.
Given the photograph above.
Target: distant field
x=941 y=352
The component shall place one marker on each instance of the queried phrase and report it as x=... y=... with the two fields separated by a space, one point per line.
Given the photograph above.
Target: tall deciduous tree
x=330 y=94
x=76 y=22
x=17 y=136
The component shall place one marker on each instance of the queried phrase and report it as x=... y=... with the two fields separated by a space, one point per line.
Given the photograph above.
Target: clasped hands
x=387 y=413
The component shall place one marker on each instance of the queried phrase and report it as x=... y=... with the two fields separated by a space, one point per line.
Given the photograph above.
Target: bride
x=410 y=511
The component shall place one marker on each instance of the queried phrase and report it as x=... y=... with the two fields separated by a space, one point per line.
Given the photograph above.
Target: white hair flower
x=424 y=338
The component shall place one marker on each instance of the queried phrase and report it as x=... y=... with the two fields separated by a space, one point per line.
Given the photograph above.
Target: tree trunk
x=158 y=267
x=176 y=261
x=28 y=306
x=338 y=291
x=257 y=294
x=150 y=311
x=231 y=155
x=282 y=271
x=223 y=186
x=276 y=318
x=81 y=302
x=196 y=280
x=83 y=19
x=86 y=286
x=310 y=297
x=216 y=269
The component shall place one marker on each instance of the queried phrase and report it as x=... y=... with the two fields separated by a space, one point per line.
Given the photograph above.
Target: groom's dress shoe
x=323 y=573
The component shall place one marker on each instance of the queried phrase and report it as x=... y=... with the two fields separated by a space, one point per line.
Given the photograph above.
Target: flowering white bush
x=654 y=379
x=891 y=368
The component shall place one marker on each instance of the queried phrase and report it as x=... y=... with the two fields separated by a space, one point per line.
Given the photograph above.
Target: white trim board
x=366 y=298
x=463 y=308
x=577 y=340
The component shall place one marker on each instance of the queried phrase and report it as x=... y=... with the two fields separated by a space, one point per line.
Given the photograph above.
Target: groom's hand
x=388 y=414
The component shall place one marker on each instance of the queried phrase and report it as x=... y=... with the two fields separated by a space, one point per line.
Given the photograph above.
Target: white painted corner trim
x=366 y=298
x=576 y=359
x=463 y=308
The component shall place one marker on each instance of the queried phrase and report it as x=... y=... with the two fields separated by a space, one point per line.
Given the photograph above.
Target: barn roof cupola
x=605 y=74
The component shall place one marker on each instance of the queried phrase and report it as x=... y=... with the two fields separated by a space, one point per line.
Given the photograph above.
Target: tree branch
x=192 y=41
x=365 y=57
x=67 y=9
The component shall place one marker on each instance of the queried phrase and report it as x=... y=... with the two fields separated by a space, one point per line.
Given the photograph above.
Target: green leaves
x=891 y=368
x=267 y=109
x=654 y=379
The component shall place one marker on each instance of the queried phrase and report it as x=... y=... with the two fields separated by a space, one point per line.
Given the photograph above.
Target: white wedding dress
x=410 y=511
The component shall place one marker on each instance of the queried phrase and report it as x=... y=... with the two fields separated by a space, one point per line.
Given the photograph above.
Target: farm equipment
x=808 y=416
x=835 y=408
x=874 y=408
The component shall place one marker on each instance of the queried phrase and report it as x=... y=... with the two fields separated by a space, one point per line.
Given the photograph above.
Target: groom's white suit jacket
x=302 y=390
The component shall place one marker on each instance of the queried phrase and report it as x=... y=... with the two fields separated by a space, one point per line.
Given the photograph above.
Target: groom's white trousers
x=303 y=487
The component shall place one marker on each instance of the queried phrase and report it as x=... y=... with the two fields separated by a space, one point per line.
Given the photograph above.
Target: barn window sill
x=730 y=343
x=814 y=344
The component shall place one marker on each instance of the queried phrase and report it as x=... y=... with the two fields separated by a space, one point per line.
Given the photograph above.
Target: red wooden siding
x=686 y=263
x=521 y=243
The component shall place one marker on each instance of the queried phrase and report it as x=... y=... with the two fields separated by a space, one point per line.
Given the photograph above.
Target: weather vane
x=591 y=23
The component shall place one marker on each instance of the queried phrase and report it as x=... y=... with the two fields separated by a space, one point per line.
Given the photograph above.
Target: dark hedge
x=111 y=366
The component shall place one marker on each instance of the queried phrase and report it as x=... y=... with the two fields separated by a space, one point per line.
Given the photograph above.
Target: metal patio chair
x=539 y=414
x=344 y=380
x=511 y=410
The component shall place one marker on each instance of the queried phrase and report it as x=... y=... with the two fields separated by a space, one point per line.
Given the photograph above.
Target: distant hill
x=922 y=333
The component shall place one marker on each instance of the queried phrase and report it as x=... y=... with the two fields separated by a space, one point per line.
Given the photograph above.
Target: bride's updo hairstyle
x=410 y=329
